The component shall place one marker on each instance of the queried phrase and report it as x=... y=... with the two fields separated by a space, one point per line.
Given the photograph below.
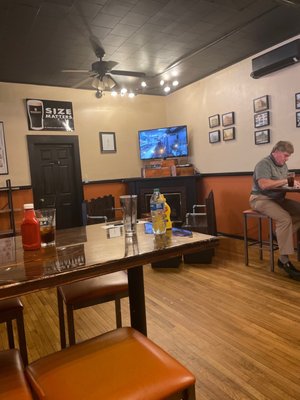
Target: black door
x=56 y=177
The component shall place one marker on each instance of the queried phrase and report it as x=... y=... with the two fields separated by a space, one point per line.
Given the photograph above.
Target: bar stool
x=12 y=309
x=86 y=293
x=121 y=364
x=260 y=243
x=13 y=383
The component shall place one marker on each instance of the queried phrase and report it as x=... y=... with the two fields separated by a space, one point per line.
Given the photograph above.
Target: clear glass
x=129 y=207
x=47 y=219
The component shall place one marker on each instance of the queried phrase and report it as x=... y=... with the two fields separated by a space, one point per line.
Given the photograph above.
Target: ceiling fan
x=101 y=70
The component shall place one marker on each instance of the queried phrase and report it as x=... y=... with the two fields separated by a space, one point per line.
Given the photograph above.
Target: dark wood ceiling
x=166 y=39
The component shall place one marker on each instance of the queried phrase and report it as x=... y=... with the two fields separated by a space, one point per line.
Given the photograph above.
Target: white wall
x=123 y=116
x=232 y=89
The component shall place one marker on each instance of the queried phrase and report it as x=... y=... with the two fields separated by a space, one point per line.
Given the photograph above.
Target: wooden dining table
x=89 y=251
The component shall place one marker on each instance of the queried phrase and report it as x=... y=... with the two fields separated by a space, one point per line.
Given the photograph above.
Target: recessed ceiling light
x=143 y=84
x=167 y=89
x=123 y=91
x=131 y=94
x=162 y=82
x=114 y=93
x=175 y=83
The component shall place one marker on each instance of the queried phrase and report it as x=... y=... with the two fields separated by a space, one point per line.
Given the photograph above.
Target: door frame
x=72 y=140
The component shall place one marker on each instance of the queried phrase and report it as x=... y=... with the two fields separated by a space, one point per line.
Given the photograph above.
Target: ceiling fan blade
x=128 y=73
x=110 y=65
x=81 y=83
x=75 y=70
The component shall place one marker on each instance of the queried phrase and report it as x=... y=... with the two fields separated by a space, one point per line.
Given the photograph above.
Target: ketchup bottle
x=30 y=229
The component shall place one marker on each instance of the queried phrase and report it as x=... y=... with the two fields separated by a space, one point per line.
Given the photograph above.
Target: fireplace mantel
x=184 y=187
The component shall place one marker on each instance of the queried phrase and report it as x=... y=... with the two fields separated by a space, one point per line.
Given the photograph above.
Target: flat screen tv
x=166 y=142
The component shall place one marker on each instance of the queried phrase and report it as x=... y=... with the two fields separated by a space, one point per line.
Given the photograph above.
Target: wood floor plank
x=237 y=328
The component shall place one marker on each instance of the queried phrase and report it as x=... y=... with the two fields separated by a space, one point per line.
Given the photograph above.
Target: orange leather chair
x=13 y=384
x=86 y=293
x=119 y=365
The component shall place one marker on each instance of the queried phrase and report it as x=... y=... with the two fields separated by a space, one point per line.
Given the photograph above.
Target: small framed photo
x=214 y=136
x=229 y=133
x=297 y=100
x=298 y=119
x=261 y=104
x=262 y=137
x=214 y=120
x=108 y=142
x=228 y=119
x=3 y=157
x=262 y=119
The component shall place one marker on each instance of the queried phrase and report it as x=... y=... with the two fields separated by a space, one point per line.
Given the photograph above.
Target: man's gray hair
x=283 y=146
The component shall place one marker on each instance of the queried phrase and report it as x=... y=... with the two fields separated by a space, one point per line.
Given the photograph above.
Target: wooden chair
x=112 y=287
x=13 y=383
x=86 y=293
x=101 y=209
x=121 y=364
x=12 y=309
x=259 y=242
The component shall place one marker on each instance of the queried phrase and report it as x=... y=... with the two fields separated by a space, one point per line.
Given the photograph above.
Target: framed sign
x=297 y=100
x=228 y=119
x=229 y=134
x=49 y=115
x=214 y=120
x=3 y=157
x=298 y=119
x=108 y=142
x=261 y=104
x=262 y=119
x=262 y=137
x=214 y=136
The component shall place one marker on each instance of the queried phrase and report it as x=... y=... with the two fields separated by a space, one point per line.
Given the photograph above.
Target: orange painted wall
x=231 y=195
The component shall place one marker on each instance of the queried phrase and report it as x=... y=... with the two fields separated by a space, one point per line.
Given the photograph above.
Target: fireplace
x=174 y=201
x=179 y=191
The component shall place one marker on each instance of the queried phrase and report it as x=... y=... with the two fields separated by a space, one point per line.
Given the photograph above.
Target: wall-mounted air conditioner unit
x=276 y=59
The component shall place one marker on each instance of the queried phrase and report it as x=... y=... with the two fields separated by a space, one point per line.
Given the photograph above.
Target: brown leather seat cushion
x=118 y=365
x=13 y=384
x=11 y=304
x=94 y=288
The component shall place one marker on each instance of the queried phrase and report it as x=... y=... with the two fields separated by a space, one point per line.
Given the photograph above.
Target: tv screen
x=163 y=142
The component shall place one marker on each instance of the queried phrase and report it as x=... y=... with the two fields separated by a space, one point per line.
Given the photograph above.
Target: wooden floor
x=236 y=328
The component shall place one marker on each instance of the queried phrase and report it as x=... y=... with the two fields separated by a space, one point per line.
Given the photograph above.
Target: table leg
x=137 y=299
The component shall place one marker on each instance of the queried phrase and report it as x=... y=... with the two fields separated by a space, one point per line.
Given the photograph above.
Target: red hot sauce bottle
x=30 y=229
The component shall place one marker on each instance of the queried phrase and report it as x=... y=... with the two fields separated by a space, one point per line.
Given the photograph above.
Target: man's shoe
x=289 y=268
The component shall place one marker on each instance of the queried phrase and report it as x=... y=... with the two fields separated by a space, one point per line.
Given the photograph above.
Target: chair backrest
x=203 y=217
x=211 y=214
x=98 y=210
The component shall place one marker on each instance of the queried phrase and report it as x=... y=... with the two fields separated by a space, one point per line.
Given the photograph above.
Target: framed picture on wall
x=297 y=100
x=108 y=142
x=228 y=119
x=298 y=119
x=262 y=137
x=214 y=136
x=3 y=157
x=229 y=133
x=214 y=120
x=261 y=104
x=262 y=119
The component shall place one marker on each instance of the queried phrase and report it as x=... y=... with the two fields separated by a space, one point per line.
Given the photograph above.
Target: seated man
x=269 y=173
